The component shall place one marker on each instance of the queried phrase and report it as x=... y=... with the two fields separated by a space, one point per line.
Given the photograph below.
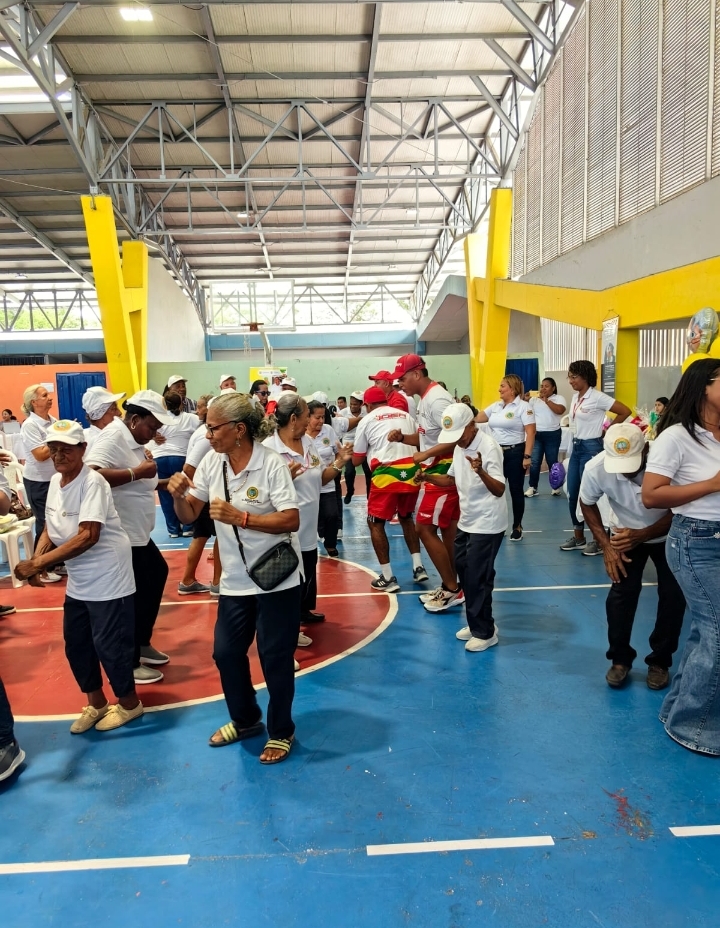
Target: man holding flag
x=393 y=488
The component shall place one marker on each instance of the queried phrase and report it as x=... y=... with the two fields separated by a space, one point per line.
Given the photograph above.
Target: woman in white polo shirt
x=513 y=427
x=118 y=453
x=330 y=451
x=83 y=529
x=683 y=474
x=39 y=468
x=548 y=408
x=254 y=504
x=588 y=408
x=169 y=456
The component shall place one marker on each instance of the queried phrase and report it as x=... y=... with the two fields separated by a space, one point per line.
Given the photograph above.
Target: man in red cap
x=392 y=488
x=384 y=380
x=439 y=507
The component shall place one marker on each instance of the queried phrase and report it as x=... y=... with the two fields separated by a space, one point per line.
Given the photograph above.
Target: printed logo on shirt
x=314 y=460
x=252 y=493
x=621 y=445
x=326 y=441
x=509 y=415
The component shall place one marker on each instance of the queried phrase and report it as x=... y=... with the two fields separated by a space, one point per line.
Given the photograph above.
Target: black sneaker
x=420 y=575
x=7 y=610
x=348 y=498
x=312 y=618
x=381 y=585
x=516 y=534
x=11 y=756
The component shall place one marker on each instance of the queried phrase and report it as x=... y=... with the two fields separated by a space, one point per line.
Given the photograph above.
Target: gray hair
x=239 y=407
x=28 y=397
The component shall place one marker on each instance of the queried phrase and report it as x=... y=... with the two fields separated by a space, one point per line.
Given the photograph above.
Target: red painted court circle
x=38 y=679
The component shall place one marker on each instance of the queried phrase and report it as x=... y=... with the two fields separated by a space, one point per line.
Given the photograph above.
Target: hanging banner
x=609 y=347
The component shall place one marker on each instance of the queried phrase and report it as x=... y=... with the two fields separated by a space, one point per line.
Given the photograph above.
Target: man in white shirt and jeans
x=638 y=534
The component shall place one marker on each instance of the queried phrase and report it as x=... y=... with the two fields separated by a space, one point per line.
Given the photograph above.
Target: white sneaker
x=426 y=597
x=530 y=492
x=304 y=641
x=481 y=644
x=443 y=600
x=88 y=718
x=557 y=492
x=51 y=577
x=465 y=634
x=339 y=534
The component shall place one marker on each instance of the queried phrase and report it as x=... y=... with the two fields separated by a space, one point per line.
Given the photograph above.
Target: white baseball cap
x=358 y=395
x=69 y=433
x=224 y=377
x=320 y=397
x=456 y=418
x=97 y=400
x=624 y=444
x=288 y=382
x=176 y=378
x=153 y=403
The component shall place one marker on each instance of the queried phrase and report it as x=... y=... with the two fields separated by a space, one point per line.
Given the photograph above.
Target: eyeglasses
x=213 y=428
x=262 y=392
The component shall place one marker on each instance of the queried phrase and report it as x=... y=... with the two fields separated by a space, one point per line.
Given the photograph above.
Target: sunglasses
x=262 y=392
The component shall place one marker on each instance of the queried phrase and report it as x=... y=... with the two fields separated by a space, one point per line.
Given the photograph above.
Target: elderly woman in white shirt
x=683 y=474
x=254 y=505
x=101 y=407
x=512 y=425
x=548 y=408
x=84 y=530
x=588 y=408
x=169 y=453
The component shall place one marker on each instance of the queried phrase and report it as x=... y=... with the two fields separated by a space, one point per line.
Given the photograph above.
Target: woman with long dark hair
x=588 y=408
x=683 y=474
x=549 y=408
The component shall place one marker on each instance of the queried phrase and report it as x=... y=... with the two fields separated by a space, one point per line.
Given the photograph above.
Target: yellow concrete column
x=122 y=289
x=489 y=323
x=626 y=366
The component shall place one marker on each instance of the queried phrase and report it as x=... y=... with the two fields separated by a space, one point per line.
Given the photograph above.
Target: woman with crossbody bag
x=255 y=509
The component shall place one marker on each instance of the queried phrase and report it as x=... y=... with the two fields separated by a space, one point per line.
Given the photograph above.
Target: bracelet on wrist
x=132 y=474
x=335 y=466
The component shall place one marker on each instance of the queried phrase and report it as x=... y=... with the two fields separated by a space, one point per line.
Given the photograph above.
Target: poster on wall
x=609 y=348
x=273 y=375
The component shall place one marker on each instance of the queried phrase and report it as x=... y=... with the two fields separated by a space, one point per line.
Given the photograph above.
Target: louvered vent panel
x=552 y=109
x=602 y=116
x=573 y=138
x=519 y=203
x=716 y=98
x=638 y=106
x=534 y=184
x=685 y=87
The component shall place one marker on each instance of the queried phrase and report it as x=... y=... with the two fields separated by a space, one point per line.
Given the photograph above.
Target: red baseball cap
x=407 y=363
x=374 y=395
x=381 y=375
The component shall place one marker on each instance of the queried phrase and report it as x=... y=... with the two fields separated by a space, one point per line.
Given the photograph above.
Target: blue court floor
x=408 y=741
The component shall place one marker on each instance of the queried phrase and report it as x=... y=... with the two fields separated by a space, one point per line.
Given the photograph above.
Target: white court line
x=695 y=831
x=106 y=863
x=474 y=844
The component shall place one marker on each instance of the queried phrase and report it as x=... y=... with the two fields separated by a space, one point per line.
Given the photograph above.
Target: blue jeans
x=584 y=450
x=691 y=710
x=166 y=467
x=547 y=445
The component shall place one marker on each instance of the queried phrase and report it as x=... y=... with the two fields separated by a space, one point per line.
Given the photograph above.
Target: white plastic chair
x=14 y=472
x=24 y=531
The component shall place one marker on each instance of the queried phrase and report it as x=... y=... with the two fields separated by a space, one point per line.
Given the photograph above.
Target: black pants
x=475 y=563
x=621 y=605
x=275 y=617
x=328 y=519
x=37 y=491
x=100 y=633
x=515 y=476
x=350 y=472
x=150 y=569
x=7 y=733
x=339 y=500
x=309 y=587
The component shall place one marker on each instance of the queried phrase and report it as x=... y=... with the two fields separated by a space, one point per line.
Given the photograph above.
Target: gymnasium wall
x=14 y=379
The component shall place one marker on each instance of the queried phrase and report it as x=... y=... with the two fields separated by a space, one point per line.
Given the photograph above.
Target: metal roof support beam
x=496 y=107
x=58 y=20
x=514 y=66
x=264 y=39
x=529 y=23
x=239 y=76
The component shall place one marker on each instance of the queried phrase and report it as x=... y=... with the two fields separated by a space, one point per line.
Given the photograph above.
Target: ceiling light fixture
x=136 y=14
x=412 y=211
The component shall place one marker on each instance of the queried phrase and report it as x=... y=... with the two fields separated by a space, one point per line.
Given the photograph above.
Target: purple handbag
x=557 y=476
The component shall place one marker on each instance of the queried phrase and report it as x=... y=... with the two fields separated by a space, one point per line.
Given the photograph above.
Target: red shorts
x=438 y=506
x=384 y=504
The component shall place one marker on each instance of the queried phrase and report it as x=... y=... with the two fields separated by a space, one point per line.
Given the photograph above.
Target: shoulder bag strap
x=235 y=528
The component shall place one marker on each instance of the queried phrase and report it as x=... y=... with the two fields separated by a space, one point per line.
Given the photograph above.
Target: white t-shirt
x=677 y=455
x=34 y=435
x=508 y=421
x=412 y=405
x=307 y=483
x=104 y=571
x=115 y=447
x=198 y=446
x=624 y=495
x=587 y=413
x=91 y=434
x=264 y=486
x=346 y=414
x=178 y=436
x=326 y=447
x=545 y=419
x=372 y=433
x=430 y=411
x=481 y=512
x=340 y=425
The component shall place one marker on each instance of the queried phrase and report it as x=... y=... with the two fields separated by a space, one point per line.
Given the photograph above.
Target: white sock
x=386 y=571
x=417 y=560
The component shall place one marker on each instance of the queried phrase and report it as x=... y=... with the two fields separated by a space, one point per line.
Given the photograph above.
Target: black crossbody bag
x=273 y=567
